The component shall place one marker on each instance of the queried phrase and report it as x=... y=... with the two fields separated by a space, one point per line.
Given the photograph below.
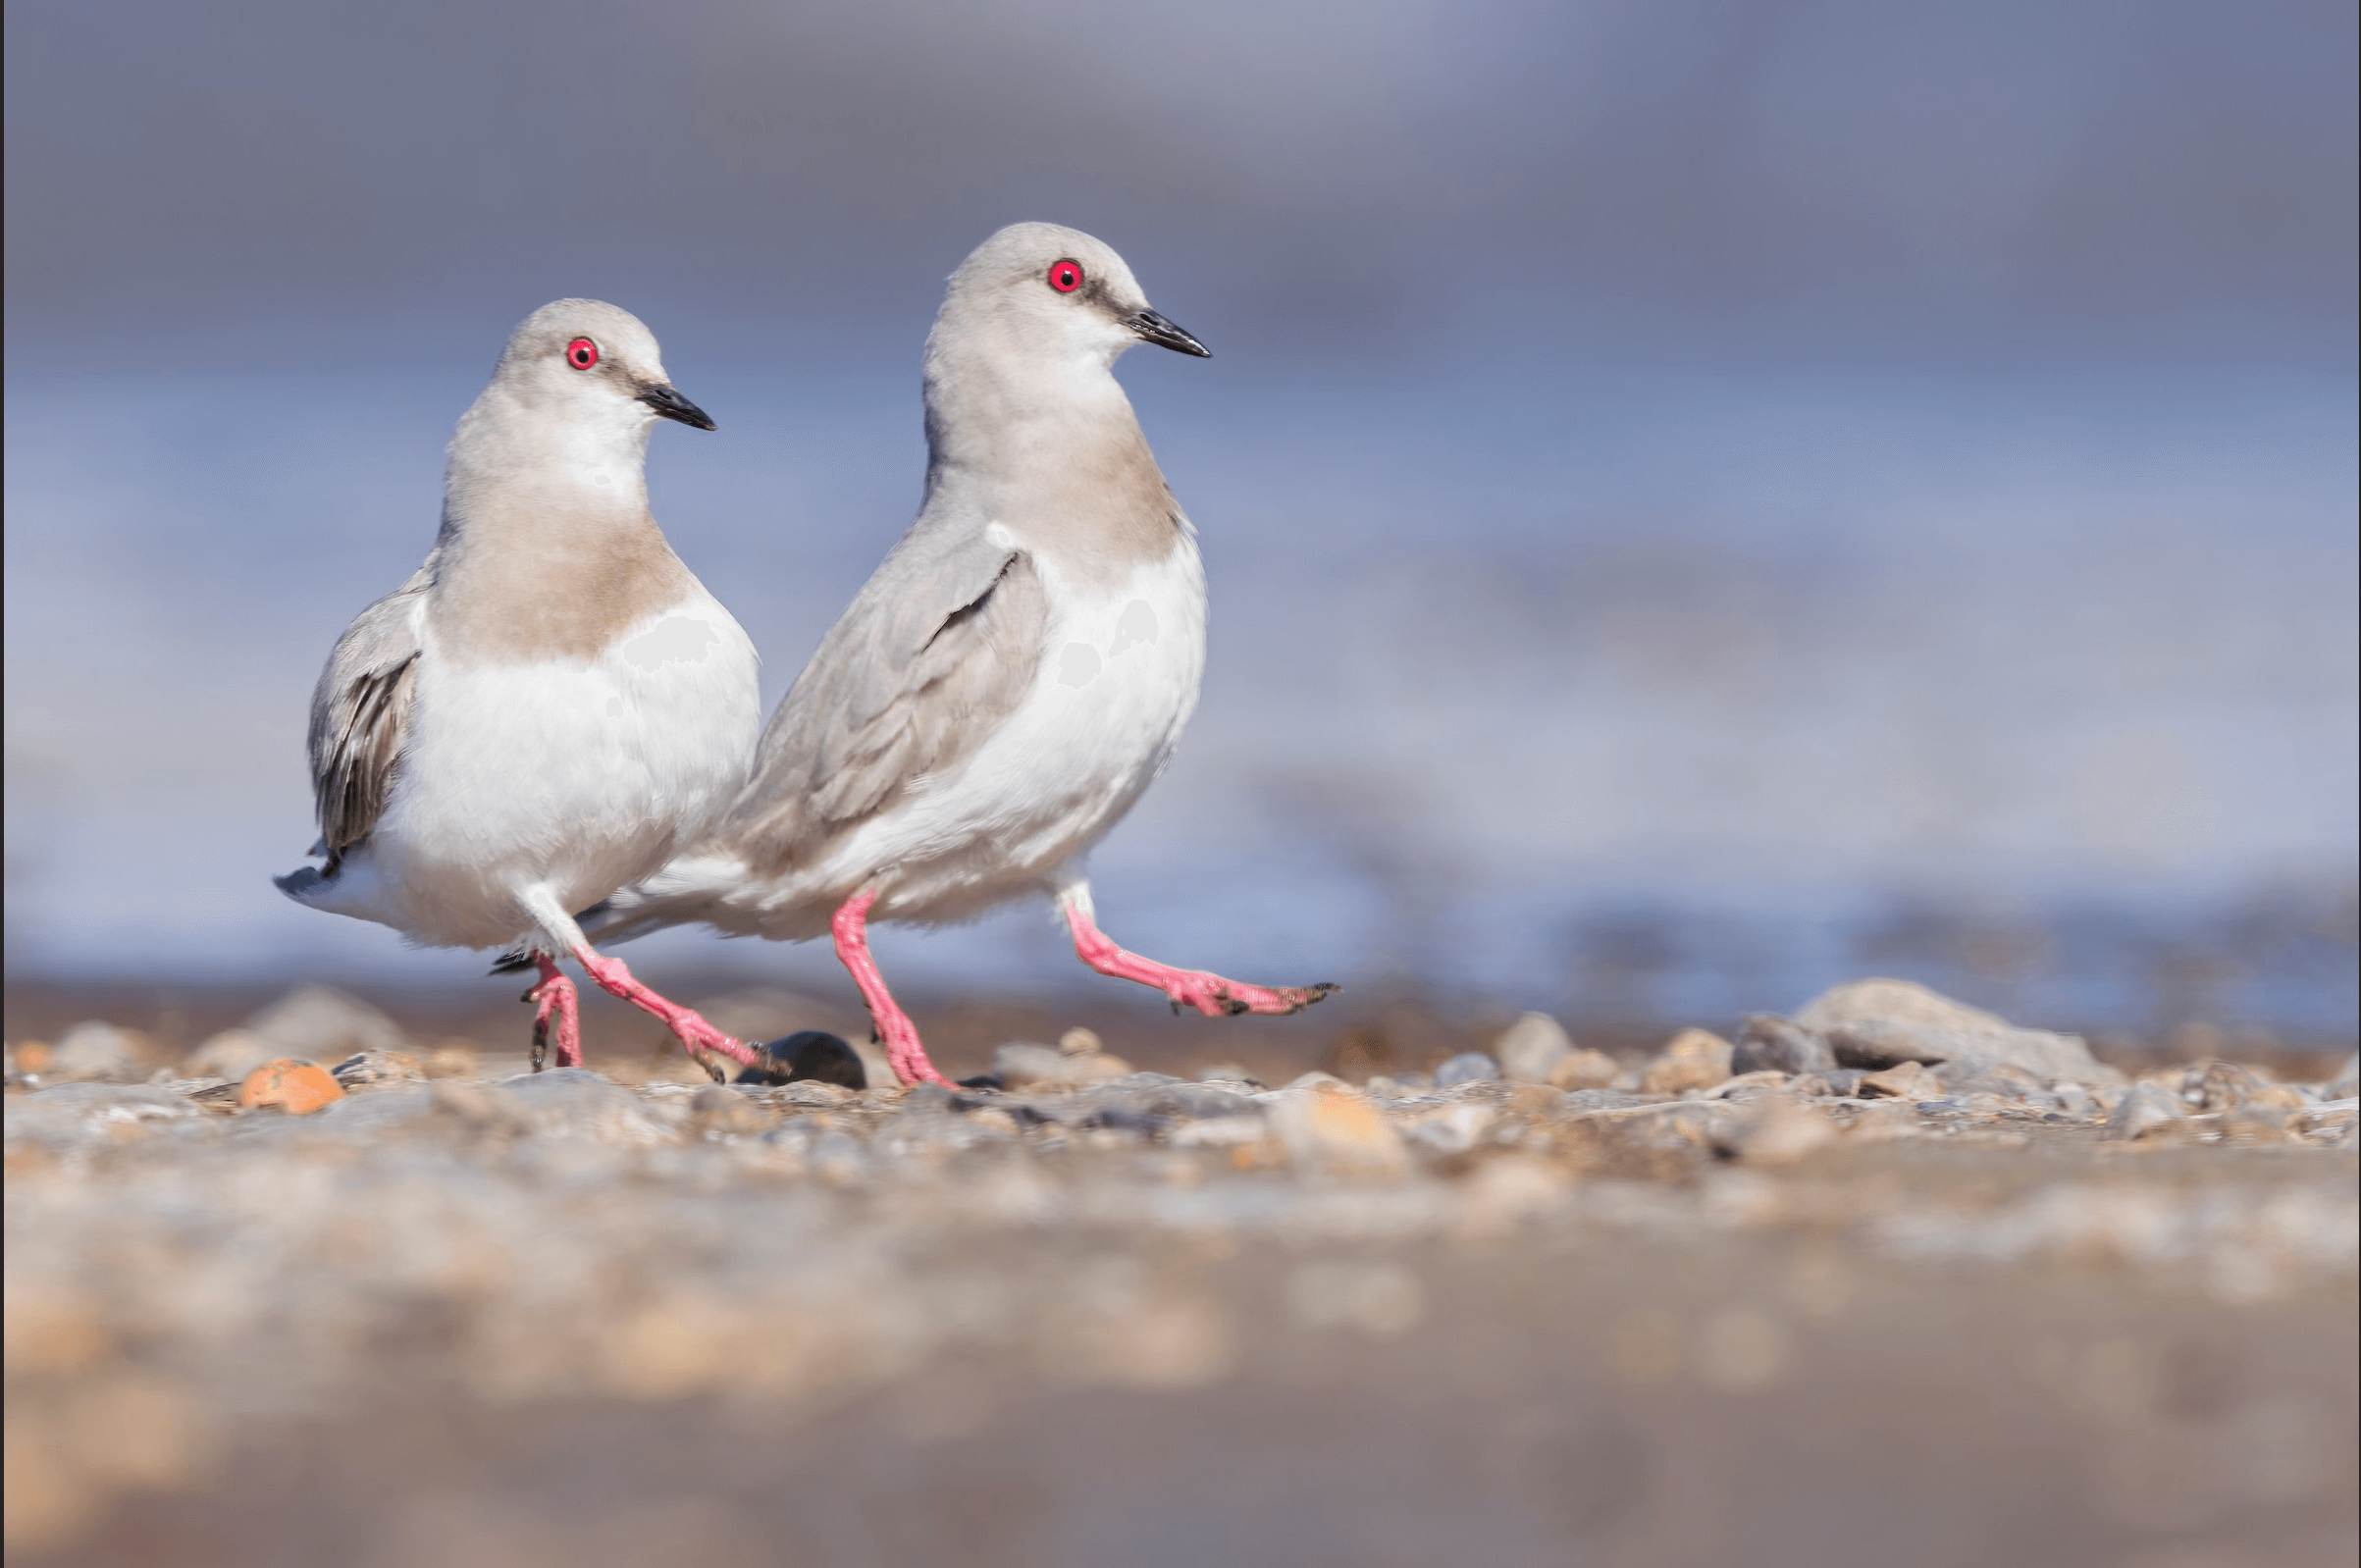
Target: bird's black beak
x=673 y=406
x=1154 y=328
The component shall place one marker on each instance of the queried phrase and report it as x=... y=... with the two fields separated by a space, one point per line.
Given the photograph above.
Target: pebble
x=1880 y=1024
x=1908 y=1081
x=91 y=1052
x=374 y=1068
x=1768 y=1041
x=1586 y=1069
x=297 y=1088
x=2218 y=1085
x=1695 y=1059
x=318 y=1023
x=1022 y=1063
x=1468 y=1067
x=1331 y=1130
x=809 y=1055
x=2145 y=1111
x=1532 y=1048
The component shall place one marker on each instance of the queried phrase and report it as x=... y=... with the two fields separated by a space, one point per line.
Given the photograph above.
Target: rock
x=296 y=1087
x=1909 y=1081
x=1305 y=1080
x=1453 y=1129
x=317 y=1023
x=231 y=1054
x=2256 y=1123
x=1468 y=1067
x=1696 y=1058
x=2004 y=1080
x=2143 y=1112
x=1769 y=1043
x=1875 y=1024
x=1080 y=1042
x=1021 y=1065
x=771 y=1012
x=1331 y=1130
x=1782 y=1130
x=1586 y=1069
x=1810 y=1086
x=93 y=1052
x=2218 y=1085
x=377 y=1068
x=808 y=1055
x=1530 y=1049
x=2282 y=1098
x=2347 y=1081
x=1748 y=1085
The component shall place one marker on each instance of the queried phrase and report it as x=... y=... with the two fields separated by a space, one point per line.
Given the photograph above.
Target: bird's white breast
x=1118 y=679
x=575 y=774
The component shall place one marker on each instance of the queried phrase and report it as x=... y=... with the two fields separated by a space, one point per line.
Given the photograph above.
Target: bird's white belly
x=577 y=775
x=1119 y=677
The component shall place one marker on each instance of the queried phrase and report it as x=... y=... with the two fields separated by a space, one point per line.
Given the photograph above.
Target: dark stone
x=811 y=1054
x=1767 y=1042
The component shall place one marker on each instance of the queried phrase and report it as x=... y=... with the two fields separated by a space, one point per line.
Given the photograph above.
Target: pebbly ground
x=1888 y=1281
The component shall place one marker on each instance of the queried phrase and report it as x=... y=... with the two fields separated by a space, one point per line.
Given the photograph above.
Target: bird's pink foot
x=555 y=1010
x=1209 y=994
x=700 y=1039
x=895 y=1032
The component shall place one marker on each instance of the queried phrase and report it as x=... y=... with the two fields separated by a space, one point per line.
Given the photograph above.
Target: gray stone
x=2142 y=1111
x=375 y=1068
x=1021 y=1064
x=1767 y=1042
x=320 y=1024
x=1875 y=1024
x=1468 y=1067
x=1531 y=1048
x=808 y=1056
x=93 y=1052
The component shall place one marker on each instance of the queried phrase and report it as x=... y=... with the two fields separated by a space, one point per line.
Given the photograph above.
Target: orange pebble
x=296 y=1087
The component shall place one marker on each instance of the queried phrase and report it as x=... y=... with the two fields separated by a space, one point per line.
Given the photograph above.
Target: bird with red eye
x=582 y=354
x=1066 y=276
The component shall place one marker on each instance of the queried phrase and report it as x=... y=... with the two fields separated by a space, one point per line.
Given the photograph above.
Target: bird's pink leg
x=697 y=1038
x=554 y=999
x=899 y=1036
x=1209 y=994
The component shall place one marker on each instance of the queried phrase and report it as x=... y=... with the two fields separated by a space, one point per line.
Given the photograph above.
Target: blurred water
x=1700 y=499
x=1662 y=691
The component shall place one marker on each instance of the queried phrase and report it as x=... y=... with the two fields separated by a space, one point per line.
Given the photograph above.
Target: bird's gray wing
x=936 y=651
x=360 y=716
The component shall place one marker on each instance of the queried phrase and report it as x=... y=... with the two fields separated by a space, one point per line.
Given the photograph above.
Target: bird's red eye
x=1066 y=276
x=582 y=354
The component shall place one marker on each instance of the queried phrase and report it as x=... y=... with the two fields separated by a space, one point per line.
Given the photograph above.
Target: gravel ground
x=1888 y=1281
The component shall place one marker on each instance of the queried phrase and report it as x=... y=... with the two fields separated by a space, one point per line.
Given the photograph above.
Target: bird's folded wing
x=361 y=715
x=939 y=647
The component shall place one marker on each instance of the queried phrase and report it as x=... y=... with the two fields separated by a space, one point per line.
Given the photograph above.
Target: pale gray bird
x=1013 y=677
x=553 y=706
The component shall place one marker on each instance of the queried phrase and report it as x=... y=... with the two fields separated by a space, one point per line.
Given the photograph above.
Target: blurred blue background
x=1702 y=498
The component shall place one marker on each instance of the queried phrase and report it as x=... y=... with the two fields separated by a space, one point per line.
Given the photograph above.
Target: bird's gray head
x=1043 y=292
x=587 y=363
